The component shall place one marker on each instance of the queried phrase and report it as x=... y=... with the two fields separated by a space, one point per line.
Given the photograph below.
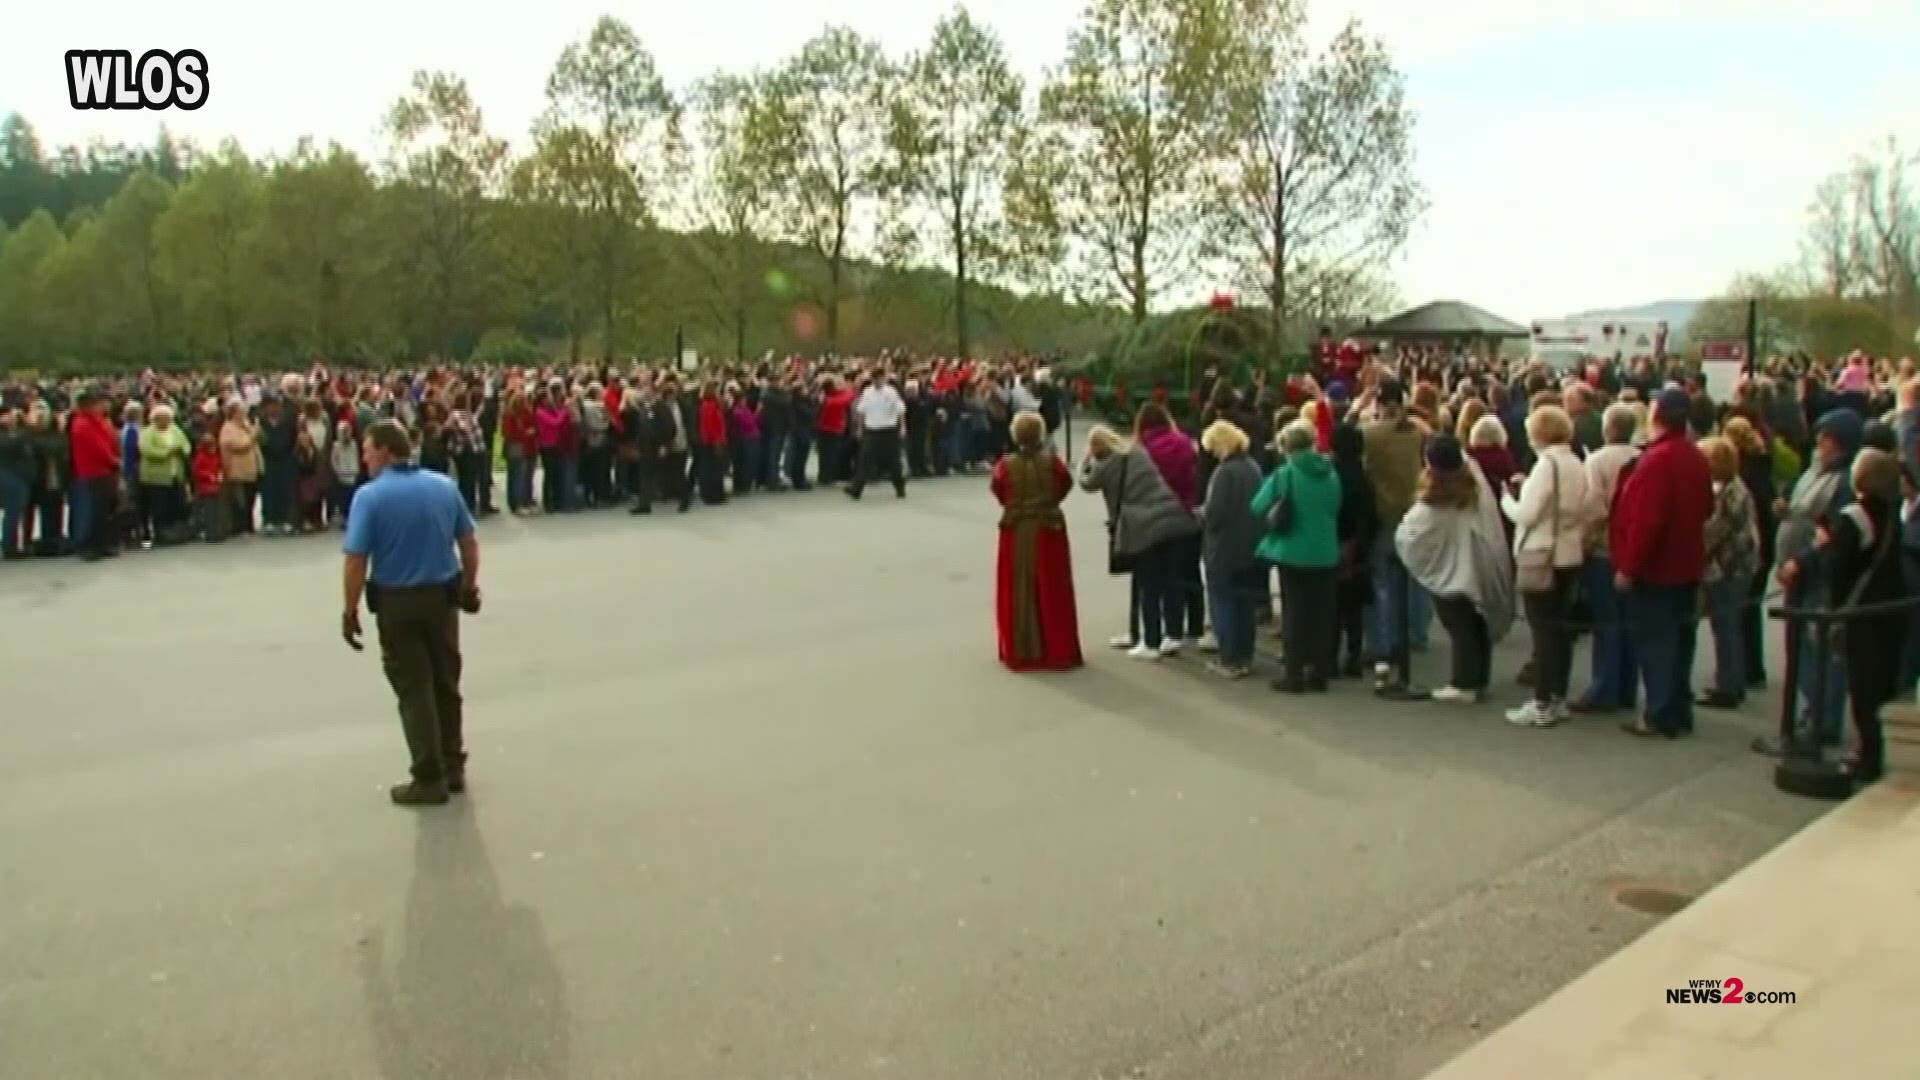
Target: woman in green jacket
x=163 y=469
x=1303 y=540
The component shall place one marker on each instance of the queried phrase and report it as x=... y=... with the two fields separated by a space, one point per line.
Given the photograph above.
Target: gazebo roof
x=1447 y=318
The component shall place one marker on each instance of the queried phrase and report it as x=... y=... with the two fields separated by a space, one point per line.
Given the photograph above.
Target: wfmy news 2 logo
x=1729 y=991
x=113 y=79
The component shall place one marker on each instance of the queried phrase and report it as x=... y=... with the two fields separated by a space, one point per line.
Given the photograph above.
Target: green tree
x=26 y=184
x=130 y=227
x=552 y=235
x=821 y=133
x=445 y=167
x=954 y=120
x=723 y=202
x=1316 y=188
x=613 y=121
x=319 y=252
x=26 y=330
x=202 y=241
x=82 y=306
x=1124 y=127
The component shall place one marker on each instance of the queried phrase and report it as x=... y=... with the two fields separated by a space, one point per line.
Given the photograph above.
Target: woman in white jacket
x=1548 y=510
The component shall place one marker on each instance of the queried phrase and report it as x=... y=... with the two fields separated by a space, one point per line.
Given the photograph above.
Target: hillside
x=1675 y=313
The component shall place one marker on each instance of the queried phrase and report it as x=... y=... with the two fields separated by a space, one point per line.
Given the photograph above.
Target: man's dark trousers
x=644 y=479
x=103 y=530
x=674 y=482
x=419 y=629
x=879 y=449
x=799 y=448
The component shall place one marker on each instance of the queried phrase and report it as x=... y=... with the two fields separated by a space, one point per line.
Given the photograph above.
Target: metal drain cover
x=1650 y=899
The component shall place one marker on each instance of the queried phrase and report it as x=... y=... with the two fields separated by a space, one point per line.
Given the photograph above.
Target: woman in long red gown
x=1033 y=581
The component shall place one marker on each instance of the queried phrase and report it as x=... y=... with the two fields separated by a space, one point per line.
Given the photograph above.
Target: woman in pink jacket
x=1174 y=456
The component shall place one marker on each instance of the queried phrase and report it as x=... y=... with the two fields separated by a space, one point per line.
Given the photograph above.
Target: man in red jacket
x=1657 y=535
x=96 y=477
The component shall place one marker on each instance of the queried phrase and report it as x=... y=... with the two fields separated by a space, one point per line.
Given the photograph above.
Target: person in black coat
x=1860 y=546
x=489 y=419
x=919 y=426
x=1756 y=472
x=804 y=400
x=776 y=423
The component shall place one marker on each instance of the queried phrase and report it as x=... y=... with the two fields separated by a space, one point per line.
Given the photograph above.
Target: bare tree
x=1317 y=189
x=1122 y=135
x=1832 y=241
x=1889 y=217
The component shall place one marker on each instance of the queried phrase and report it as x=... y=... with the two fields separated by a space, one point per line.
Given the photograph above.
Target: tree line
x=841 y=200
x=1856 y=281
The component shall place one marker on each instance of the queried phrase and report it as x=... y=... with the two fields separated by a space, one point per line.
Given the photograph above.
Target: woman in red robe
x=1033 y=581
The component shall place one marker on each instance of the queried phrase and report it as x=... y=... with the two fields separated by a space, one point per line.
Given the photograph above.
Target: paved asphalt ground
x=752 y=800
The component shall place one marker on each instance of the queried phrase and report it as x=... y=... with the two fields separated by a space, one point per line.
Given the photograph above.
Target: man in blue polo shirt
x=402 y=532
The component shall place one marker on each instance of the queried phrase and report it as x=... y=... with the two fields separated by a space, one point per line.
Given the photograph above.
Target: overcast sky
x=1579 y=153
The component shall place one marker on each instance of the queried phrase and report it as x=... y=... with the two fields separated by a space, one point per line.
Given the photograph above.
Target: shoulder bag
x=1280 y=514
x=1534 y=569
x=1118 y=562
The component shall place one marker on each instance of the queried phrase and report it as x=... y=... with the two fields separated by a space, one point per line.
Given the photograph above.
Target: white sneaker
x=1208 y=643
x=1170 y=647
x=1122 y=641
x=1141 y=652
x=1456 y=695
x=1560 y=712
x=1531 y=714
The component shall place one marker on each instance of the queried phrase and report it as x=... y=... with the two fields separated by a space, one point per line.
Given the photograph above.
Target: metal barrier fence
x=1804 y=768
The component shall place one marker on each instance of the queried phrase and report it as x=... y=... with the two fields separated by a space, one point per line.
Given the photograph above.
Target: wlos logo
x=112 y=79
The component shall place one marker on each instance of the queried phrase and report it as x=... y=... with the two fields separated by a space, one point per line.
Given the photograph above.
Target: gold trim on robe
x=1033 y=504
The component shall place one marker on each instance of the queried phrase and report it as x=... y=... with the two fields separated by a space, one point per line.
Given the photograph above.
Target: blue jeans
x=1726 y=613
x=1664 y=623
x=1614 y=677
x=519 y=483
x=570 y=481
x=1156 y=577
x=79 y=515
x=13 y=513
x=1402 y=611
x=773 y=445
x=1828 y=719
x=1823 y=712
x=746 y=465
x=799 y=448
x=1230 y=594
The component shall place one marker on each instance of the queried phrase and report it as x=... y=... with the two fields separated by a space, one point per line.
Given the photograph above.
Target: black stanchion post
x=1803 y=768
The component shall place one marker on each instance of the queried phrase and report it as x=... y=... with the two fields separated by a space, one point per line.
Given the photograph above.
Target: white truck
x=1563 y=344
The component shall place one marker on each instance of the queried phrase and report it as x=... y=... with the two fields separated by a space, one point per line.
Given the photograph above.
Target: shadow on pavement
x=475 y=992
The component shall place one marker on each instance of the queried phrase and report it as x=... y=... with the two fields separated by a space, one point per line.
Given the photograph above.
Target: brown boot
x=419 y=793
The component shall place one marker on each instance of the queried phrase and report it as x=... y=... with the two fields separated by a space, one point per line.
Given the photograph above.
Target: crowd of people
x=1619 y=502
x=1370 y=498
x=94 y=469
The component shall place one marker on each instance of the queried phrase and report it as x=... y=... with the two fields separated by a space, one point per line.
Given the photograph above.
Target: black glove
x=470 y=601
